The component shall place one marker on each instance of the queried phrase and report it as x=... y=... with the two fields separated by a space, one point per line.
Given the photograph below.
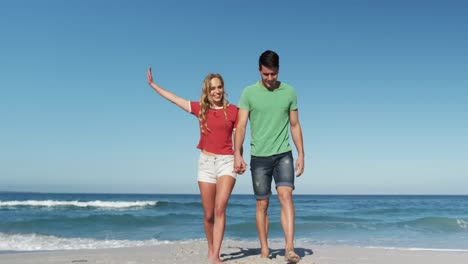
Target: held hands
x=239 y=164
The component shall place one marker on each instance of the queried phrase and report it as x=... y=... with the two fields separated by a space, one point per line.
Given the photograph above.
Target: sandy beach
x=239 y=253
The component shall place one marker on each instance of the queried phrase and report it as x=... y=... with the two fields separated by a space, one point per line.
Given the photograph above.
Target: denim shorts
x=279 y=167
x=210 y=168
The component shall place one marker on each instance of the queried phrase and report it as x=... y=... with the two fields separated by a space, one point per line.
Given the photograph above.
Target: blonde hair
x=206 y=101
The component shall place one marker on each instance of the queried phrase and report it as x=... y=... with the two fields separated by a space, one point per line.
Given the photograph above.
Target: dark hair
x=269 y=59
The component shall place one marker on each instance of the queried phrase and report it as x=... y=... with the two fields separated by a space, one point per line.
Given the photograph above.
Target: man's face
x=269 y=77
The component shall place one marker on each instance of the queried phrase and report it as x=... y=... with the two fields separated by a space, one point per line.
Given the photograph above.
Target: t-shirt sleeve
x=194 y=108
x=244 y=102
x=293 y=105
x=235 y=112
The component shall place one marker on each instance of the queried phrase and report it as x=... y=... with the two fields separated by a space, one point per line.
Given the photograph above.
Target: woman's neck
x=216 y=106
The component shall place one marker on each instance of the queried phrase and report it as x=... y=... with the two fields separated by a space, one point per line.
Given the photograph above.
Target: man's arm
x=239 y=136
x=296 y=133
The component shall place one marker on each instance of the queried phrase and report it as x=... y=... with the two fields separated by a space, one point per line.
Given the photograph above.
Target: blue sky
x=382 y=89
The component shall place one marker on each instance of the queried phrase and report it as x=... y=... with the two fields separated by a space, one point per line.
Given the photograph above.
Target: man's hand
x=299 y=168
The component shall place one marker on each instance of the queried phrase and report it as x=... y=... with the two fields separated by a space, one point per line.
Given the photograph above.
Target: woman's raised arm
x=179 y=101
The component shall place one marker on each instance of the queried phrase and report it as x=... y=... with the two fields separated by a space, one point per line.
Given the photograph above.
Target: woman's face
x=216 y=91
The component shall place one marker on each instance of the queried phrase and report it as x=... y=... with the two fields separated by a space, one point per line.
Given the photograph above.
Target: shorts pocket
x=203 y=160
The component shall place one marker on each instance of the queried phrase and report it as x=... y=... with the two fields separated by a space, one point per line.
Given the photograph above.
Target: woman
x=216 y=176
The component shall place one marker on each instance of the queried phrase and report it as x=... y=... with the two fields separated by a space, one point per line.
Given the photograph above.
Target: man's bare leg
x=261 y=216
x=288 y=221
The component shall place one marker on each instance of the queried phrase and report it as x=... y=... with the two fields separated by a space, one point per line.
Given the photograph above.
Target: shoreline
x=238 y=252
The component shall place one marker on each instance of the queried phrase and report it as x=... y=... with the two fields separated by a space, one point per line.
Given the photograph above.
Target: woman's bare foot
x=216 y=260
x=265 y=253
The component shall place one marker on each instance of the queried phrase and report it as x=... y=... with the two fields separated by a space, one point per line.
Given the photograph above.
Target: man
x=271 y=107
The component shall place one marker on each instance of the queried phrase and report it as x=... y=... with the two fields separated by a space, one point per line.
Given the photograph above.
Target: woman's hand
x=149 y=76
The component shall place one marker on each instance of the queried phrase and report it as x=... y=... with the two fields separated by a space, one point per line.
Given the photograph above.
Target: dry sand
x=236 y=252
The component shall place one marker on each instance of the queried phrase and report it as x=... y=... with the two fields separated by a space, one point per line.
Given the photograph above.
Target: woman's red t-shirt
x=218 y=137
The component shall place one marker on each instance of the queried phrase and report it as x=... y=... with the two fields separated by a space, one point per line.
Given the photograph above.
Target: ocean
x=53 y=221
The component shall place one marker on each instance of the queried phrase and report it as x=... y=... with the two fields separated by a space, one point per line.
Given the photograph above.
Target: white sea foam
x=35 y=242
x=97 y=203
x=462 y=224
x=424 y=249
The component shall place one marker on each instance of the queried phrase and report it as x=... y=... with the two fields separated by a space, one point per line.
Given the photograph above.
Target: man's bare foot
x=291 y=256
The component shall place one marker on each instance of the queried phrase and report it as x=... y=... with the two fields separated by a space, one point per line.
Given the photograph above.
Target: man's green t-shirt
x=269 y=117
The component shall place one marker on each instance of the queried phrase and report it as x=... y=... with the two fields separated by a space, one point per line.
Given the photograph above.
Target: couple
x=271 y=107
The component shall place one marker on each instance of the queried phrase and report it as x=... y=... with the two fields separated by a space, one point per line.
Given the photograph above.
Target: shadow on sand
x=246 y=252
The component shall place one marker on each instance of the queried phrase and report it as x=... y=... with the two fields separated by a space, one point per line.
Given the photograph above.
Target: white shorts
x=210 y=168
